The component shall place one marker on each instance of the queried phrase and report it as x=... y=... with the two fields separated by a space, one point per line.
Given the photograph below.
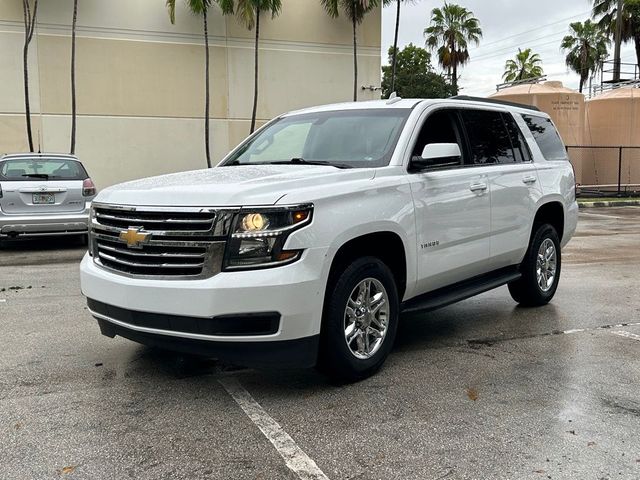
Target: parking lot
x=478 y=390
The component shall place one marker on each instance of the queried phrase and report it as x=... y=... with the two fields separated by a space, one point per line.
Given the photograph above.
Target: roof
x=409 y=103
x=623 y=93
x=403 y=103
x=66 y=156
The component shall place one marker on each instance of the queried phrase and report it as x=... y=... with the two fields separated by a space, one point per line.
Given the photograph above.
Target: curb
x=617 y=203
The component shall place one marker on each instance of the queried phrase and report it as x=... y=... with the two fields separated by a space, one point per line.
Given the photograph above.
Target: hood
x=228 y=186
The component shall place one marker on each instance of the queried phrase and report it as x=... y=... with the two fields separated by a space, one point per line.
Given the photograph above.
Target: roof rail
x=499 y=102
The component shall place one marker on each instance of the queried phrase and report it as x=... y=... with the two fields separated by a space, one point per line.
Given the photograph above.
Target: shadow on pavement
x=42 y=250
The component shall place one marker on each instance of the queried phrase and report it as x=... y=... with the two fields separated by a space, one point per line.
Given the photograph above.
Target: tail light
x=88 y=188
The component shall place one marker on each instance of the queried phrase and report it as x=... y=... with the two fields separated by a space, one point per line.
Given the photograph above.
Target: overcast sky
x=506 y=25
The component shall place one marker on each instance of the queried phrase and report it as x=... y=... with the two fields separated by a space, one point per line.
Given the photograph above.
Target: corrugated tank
x=613 y=120
x=566 y=108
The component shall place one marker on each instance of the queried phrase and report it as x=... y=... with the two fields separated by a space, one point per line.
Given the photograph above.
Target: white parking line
x=295 y=458
x=630 y=335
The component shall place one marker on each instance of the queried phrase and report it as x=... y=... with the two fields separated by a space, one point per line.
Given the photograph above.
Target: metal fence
x=603 y=170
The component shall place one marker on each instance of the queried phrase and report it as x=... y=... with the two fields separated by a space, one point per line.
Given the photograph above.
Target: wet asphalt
x=479 y=390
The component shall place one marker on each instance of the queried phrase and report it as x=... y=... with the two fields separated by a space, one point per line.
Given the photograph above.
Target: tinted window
x=356 y=138
x=488 y=137
x=547 y=137
x=29 y=169
x=520 y=149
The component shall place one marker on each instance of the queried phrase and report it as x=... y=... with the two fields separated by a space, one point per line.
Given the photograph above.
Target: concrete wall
x=140 y=80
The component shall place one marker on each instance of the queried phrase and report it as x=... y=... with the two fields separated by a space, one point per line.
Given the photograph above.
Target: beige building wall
x=140 y=80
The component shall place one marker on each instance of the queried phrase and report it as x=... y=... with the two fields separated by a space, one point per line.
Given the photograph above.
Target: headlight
x=258 y=237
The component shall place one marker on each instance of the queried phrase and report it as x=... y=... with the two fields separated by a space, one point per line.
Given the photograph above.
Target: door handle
x=529 y=179
x=478 y=187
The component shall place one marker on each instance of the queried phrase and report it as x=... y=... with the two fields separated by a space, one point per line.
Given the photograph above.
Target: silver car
x=43 y=194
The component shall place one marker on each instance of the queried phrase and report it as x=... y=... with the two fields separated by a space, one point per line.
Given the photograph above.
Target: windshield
x=347 y=138
x=28 y=169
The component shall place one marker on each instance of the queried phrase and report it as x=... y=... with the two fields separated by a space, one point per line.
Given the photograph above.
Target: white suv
x=308 y=241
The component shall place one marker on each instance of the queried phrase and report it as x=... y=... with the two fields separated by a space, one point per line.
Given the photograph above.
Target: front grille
x=177 y=242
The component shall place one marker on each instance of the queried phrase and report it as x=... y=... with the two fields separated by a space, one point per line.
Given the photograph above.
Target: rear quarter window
x=547 y=137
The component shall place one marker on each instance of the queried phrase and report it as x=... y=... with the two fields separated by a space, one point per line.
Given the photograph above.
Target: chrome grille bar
x=121 y=251
x=103 y=216
x=150 y=265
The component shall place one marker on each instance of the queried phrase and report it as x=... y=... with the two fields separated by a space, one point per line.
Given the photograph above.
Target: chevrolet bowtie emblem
x=135 y=237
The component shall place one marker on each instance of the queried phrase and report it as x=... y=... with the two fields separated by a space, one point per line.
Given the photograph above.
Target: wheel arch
x=552 y=212
x=385 y=244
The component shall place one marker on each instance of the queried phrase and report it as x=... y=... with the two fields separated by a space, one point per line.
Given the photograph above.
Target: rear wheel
x=540 y=269
x=360 y=320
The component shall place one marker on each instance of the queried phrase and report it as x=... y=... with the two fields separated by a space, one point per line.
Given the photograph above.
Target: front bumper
x=295 y=292
x=44 y=224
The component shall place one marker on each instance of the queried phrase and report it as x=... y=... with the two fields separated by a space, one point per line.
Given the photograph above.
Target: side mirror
x=437 y=155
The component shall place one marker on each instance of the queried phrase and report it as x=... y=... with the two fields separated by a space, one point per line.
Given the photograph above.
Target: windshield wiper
x=36 y=175
x=302 y=161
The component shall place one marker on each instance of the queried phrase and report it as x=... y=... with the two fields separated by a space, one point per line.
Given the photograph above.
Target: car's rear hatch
x=39 y=187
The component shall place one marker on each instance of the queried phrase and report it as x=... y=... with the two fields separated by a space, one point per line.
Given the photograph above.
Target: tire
x=350 y=362
x=528 y=291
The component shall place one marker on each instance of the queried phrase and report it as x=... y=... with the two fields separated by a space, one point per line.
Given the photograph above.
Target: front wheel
x=540 y=269
x=360 y=320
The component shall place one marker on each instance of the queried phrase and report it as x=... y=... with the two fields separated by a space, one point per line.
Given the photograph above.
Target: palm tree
x=200 y=7
x=451 y=30
x=395 y=39
x=606 y=12
x=29 y=17
x=355 y=10
x=73 y=76
x=586 y=47
x=525 y=65
x=248 y=12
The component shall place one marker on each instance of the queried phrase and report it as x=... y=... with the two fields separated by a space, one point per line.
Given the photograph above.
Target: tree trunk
x=255 y=77
x=73 y=77
x=29 y=26
x=27 y=107
x=395 y=49
x=584 y=69
x=206 y=90
x=355 y=60
x=454 y=69
x=454 y=64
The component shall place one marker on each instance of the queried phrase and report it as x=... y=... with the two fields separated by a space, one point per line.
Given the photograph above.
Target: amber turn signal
x=300 y=216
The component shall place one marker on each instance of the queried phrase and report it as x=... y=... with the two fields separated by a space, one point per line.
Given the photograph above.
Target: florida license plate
x=43 y=198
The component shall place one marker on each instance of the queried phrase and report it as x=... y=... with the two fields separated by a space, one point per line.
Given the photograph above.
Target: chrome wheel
x=546 y=265
x=366 y=318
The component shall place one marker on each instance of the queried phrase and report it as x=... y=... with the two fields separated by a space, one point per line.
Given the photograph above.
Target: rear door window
x=489 y=139
x=546 y=137
x=42 y=169
x=520 y=148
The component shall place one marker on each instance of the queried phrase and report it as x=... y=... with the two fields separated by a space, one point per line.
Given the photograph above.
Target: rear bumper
x=49 y=224
x=570 y=223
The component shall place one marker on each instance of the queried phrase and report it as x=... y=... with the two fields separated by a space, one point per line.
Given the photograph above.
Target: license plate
x=43 y=198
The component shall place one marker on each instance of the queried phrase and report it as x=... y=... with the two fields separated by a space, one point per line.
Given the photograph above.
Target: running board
x=460 y=291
